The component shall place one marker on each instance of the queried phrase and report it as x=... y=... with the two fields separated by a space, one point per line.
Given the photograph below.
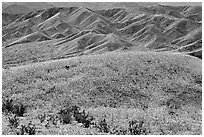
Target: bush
x=103 y=126
x=42 y=117
x=74 y=112
x=51 y=119
x=13 y=121
x=66 y=115
x=118 y=130
x=9 y=106
x=29 y=129
x=84 y=118
x=137 y=127
x=19 y=109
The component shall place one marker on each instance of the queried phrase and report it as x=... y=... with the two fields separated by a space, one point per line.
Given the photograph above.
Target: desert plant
x=9 y=106
x=42 y=117
x=13 y=121
x=84 y=118
x=118 y=130
x=137 y=127
x=52 y=119
x=74 y=112
x=65 y=116
x=29 y=129
x=103 y=126
x=22 y=130
x=19 y=109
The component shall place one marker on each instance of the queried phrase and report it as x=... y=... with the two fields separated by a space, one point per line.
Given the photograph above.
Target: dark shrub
x=103 y=126
x=74 y=112
x=19 y=109
x=84 y=118
x=42 y=117
x=66 y=114
x=29 y=129
x=137 y=127
x=52 y=119
x=119 y=130
x=9 y=106
x=13 y=121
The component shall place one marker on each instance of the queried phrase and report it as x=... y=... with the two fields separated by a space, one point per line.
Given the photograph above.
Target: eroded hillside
x=75 y=31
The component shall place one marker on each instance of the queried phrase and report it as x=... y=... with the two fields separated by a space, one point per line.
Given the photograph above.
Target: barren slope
x=74 y=31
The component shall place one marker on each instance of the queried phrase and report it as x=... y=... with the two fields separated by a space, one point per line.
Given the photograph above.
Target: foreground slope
x=164 y=89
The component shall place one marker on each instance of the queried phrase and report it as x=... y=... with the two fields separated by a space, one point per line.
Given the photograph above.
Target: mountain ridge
x=156 y=27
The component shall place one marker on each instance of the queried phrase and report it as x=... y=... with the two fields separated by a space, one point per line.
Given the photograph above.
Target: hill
x=138 y=80
x=111 y=74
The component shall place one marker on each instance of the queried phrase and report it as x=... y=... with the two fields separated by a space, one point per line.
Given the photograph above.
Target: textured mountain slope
x=79 y=30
